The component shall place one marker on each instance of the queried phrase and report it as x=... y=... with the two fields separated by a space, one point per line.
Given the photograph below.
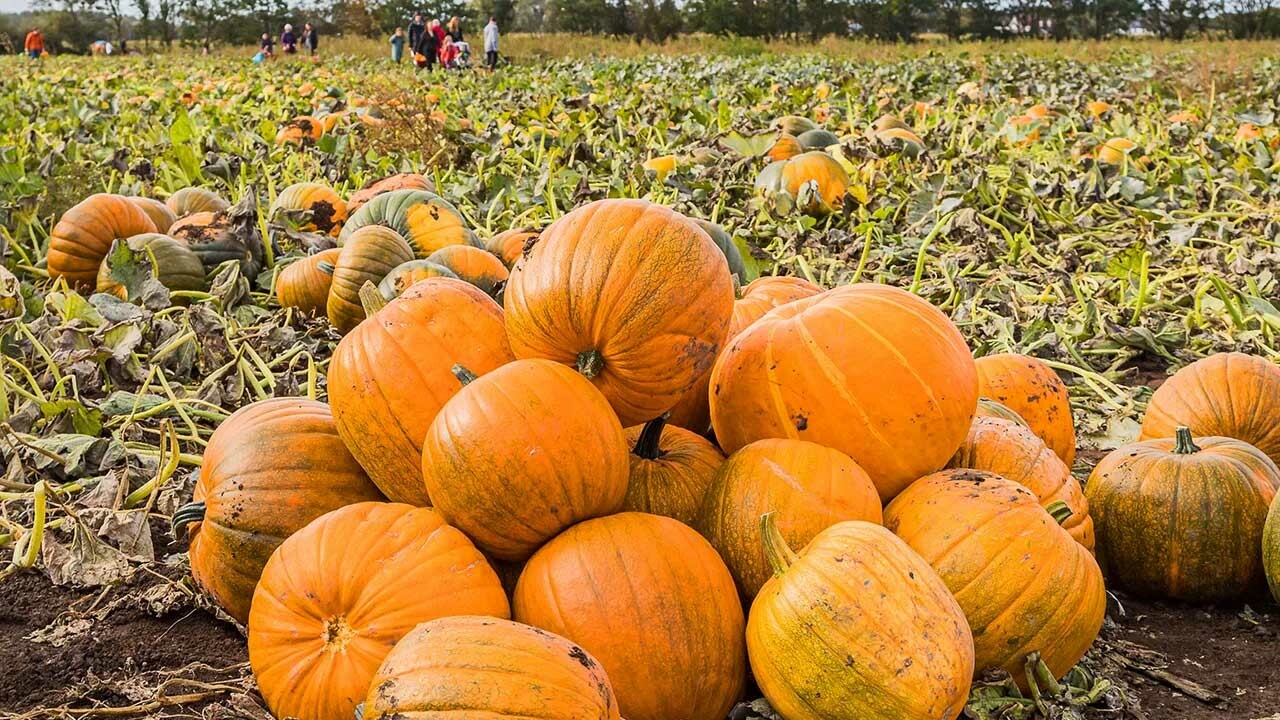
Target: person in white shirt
x=491 y=43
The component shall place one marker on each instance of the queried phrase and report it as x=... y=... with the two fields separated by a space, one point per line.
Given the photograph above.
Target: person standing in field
x=435 y=28
x=34 y=44
x=491 y=43
x=454 y=29
x=310 y=40
x=397 y=45
x=288 y=41
x=416 y=28
x=427 y=49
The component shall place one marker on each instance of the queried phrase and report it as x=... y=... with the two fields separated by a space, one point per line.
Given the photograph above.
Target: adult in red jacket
x=34 y=45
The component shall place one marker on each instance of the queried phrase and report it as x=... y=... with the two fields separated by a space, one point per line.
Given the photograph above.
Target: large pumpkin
x=870 y=370
x=340 y=593
x=634 y=295
x=1182 y=518
x=509 y=245
x=527 y=673
x=399 y=181
x=225 y=235
x=369 y=255
x=427 y=221
x=412 y=342
x=478 y=267
x=857 y=625
x=1012 y=451
x=173 y=264
x=1032 y=389
x=84 y=234
x=813 y=180
x=406 y=274
x=1271 y=548
x=649 y=598
x=671 y=469
x=268 y=470
x=316 y=205
x=522 y=453
x=161 y=216
x=1024 y=583
x=1229 y=394
x=305 y=283
x=191 y=200
x=809 y=487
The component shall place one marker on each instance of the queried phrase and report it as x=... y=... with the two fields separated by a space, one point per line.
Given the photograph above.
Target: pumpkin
x=1025 y=585
x=784 y=148
x=857 y=625
x=403 y=276
x=817 y=139
x=415 y=340
x=83 y=235
x=340 y=593
x=225 y=235
x=522 y=453
x=813 y=180
x=302 y=130
x=1013 y=452
x=427 y=221
x=649 y=598
x=1181 y=518
x=724 y=241
x=1115 y=150
x=268 y=470
x=1229 y=394
x=399 y=181
x=870 y=370
x=478 y=267
x=194 y=220
x=794 y=124
x=173 y=264
x=304 y=284
x=528 y=673
x=190 y=200
x=887 y=122
x=369 y=255
x=1034 y=391
x=509 y=245
x=810 y=488
x=671 y=469
x=1271 y=548
x=161 y=216
x=317 y=205
x=634 y=295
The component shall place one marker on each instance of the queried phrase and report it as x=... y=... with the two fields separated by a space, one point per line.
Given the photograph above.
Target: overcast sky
x=8 y=6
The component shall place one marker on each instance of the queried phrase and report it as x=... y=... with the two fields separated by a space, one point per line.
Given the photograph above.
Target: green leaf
x=748 y=146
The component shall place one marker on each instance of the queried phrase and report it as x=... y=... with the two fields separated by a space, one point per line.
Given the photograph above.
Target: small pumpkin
x=810 y=488
x=611 y=583
x=268 y=470
x=522 y=453
x=671 y=469
x=225 y=235
x=509 y=245
x=870 y=370
x=817 y=139
x=794 y=124
x=784 y=148
x=173 y=264
x=478 y=267
x=528 y=673
x=417 y=339
x=857 y=625
x=1025 y=585
x=669 y=300
x=303 y=130
x=1271 y=548
x=1229 y=394
x=304 y=283
x=1116 y=150
x=1031 y=389
x=317 y=205
x=369 y=255
x=813 y=180
x=425 y=220
x=161 y=216
x=1181 y=518
x=1010 y=450
x=190 y=200
x=399 y=181
x=403 y=276
x=340 y=593
x=84 y=234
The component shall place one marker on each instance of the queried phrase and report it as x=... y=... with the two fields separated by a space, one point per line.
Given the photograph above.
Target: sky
x=10 y=6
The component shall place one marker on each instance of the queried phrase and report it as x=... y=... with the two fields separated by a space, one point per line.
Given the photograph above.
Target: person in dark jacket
x=267 y=46
x=427 y=50
x=310 y=40
x=454 y=29
x=288 y=41
x=416 y=29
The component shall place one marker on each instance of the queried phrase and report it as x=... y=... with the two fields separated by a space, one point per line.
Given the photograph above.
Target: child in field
x=449 y=54
x=267 y=46
x=288 y=41
x=397 y=45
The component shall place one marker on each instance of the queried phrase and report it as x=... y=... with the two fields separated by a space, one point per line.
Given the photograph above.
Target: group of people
x=431 y=42
x=289 y=42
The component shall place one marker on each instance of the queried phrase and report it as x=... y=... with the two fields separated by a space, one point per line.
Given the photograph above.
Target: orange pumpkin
x=784 y=148
x=671 y=469
x=340 y=593
x=611 y=583
x=304 y=284
x=528 y=673
x=416 y=339
x=400 y=181
x=478 y=267
x=161 y=216
x=869 y=370
x=814 y=180
x=1024 y=583
x=1034 y=391
x=522 y=453
x=368 y=256
x=509 y=245
x=810 y=488
x=303 y=130
x=269 y=469
x=857 y=625
x=323 y=209
x=1229 y=394
x=1011 y=451
x=83 y=235
x=634 y=295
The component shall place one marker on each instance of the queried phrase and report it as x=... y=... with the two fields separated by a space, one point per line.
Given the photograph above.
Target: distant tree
x=1178 y=19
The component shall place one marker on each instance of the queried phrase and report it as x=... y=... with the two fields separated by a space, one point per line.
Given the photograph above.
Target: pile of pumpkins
x=628 y=487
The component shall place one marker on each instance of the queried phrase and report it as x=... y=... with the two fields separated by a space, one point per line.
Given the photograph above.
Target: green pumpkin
x=817 y=139
x=724 y=241
x=173 y=263
x=406 y=274
x=369 y=256
x=427 y=221
x=1271 y=548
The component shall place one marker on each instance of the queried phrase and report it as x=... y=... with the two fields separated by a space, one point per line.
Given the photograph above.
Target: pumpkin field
x=849 y=383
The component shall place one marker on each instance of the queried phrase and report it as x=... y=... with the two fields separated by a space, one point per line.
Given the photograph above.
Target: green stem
x=1183 y=443
x=1059 y=511
x=465 y=376
x=590 y=363
x=371 y=299
x=776 y=551
x=192 y=512
x=648 y=445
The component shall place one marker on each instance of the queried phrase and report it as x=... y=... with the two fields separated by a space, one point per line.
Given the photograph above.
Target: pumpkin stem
x=371 y=299
x=1183 y=444
x=1059 y=510
x=1044 y=676
x=325 y=267
x=192 y=512
x=647 y=445
x=590 y=363
x=465 y=376
x=776 y=550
